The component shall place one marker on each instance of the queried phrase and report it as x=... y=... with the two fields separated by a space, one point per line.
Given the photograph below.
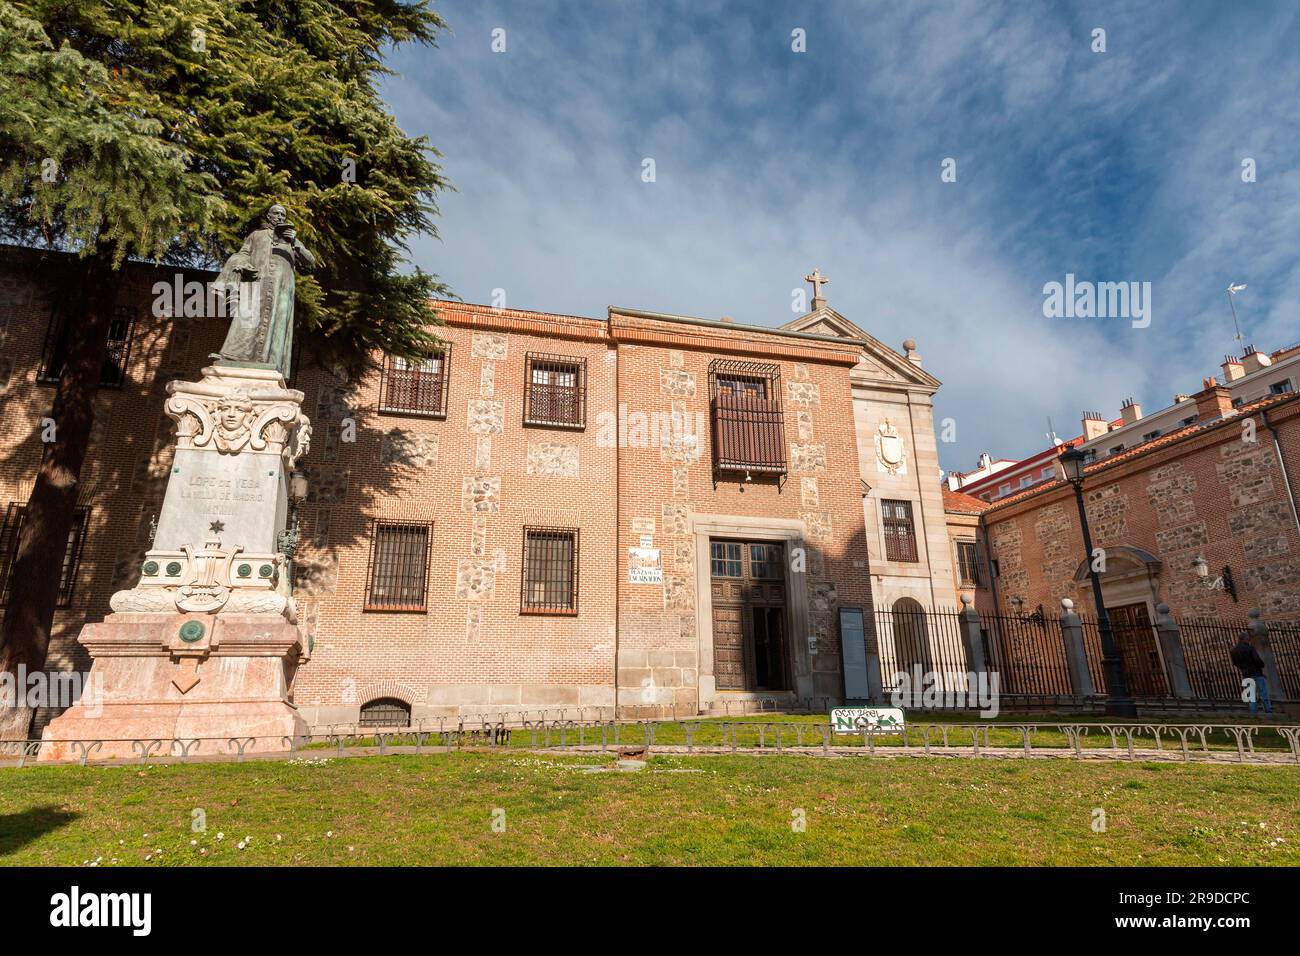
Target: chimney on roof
x=1093 y=425
x=1180 y=397
x=909 y=350
x=1214 y=401
x=1232 y=369
x=1130 y=411
x=1254 y=361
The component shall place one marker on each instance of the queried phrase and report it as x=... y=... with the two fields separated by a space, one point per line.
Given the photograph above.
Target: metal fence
x=911 y=641
x=1028 y=654
x=1140 y=740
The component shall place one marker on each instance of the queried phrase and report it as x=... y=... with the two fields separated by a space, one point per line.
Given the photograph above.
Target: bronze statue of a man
x=258 y=285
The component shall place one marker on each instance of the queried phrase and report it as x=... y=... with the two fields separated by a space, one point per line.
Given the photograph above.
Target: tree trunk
x=38 y=563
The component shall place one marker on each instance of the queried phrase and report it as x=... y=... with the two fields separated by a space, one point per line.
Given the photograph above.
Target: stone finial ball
x=909 y=345
x=967 y=598
x=1162 y=608
x=1067 y=604
x=1253 y=613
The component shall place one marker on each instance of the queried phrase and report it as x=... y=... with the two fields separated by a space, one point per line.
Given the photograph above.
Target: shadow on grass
x=19 y=829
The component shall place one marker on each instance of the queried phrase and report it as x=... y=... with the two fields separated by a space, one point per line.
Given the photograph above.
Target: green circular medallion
x=191 y=631
x=150 y=568
x=245 y=570
x=266 y=570
x=173 y=568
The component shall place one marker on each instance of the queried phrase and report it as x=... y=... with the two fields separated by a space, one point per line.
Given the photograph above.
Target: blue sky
x=1115 y=166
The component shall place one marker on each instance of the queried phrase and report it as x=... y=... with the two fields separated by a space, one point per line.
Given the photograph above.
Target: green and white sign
x=854 y=720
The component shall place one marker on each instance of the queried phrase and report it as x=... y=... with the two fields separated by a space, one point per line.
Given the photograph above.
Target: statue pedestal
x=205 y=646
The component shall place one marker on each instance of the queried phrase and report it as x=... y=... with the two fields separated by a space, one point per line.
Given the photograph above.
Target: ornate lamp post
x=1118 y=702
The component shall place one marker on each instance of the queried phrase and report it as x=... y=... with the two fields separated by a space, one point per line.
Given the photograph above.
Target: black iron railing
x=550 y=571
x=397 y=579
x=409 y=387
x=556 y=391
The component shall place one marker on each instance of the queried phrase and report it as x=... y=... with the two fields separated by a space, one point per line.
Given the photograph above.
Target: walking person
x=1246 y=658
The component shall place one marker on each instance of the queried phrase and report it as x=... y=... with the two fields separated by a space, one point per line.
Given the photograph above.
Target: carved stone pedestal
x=205 y=646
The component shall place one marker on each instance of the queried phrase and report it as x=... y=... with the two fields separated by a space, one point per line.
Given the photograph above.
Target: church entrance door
x=750 y=646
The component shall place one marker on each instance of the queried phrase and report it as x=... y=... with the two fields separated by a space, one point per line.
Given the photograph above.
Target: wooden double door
x=750 y=643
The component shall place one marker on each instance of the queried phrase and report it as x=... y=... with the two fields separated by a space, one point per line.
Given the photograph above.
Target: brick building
x=644 y=512
x=1202 y=518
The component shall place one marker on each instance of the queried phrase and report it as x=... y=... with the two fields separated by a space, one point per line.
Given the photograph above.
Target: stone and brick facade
x=1215 y=489
x=635 y=482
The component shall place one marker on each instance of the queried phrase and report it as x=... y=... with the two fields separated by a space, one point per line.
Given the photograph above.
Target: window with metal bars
x=555 y=390
x=416 y=386
x=748 y=426
x=968 y=564
x=54 y=354
x=900 y=534
x=399 y=566
x=550 y=571
x=385 y=712
x=9 y=531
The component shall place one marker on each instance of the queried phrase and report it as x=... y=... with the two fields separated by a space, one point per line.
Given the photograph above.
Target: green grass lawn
x=679 y=810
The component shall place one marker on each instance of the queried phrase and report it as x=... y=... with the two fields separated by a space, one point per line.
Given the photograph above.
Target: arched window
x=911 y=634
x=385 y=712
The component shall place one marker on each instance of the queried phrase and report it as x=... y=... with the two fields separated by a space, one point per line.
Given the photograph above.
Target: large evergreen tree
x=159 y=131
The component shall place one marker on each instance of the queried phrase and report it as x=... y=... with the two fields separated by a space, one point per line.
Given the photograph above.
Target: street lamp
x=1118 y=702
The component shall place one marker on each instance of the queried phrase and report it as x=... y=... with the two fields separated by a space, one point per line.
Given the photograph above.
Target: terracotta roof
x=962 y=503
x=1146 y=447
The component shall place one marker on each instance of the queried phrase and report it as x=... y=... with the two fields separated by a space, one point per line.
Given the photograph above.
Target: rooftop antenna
x=1233 y=290
x=1051 y=432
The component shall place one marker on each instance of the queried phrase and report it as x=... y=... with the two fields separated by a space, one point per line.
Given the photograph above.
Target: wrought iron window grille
x=416 y=387
x=397 y=576
x=748 y=422
x=549 y=571
x=555 y=390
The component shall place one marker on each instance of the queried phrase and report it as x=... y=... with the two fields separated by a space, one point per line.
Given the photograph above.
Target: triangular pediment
x=879 y=362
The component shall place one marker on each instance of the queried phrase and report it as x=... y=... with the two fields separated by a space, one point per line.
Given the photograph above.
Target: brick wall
x=1212 y=493
x=479 y=476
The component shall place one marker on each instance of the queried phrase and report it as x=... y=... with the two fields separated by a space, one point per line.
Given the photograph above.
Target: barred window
x=727 y=559
x=556 y=391
x=385 y=712
x=399 y=566
x=748 y=427
x=968 y=564
x=54 y=355
x=416 y=386
x=550 y=571
x=9 y=531
x=900 y=536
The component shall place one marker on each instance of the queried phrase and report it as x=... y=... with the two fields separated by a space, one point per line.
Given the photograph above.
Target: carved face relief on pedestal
x=889 y=449
x=234 y=421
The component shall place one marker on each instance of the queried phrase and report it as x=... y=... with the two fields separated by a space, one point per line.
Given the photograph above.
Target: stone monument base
x=184 y=677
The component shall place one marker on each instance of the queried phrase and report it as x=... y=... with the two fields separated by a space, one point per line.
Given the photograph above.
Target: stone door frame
x=788 y=531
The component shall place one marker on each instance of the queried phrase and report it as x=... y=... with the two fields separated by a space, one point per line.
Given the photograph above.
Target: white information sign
x=644 y=566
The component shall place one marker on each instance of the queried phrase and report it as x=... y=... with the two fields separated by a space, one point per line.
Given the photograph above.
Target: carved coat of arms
x=889 y=449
